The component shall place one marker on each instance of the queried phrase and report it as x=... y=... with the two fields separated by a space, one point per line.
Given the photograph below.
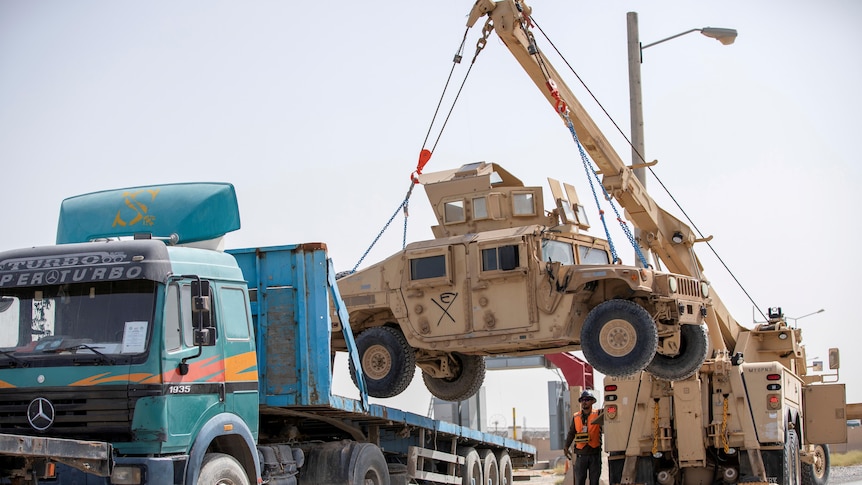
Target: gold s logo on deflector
x=136 y=211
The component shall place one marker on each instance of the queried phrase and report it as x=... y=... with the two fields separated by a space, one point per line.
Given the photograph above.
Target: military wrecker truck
x=503 y=276
x=752 y=412
x=136 y=351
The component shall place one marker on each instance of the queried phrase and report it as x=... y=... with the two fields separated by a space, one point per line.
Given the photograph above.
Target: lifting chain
x=483 y=41
x=591 y=174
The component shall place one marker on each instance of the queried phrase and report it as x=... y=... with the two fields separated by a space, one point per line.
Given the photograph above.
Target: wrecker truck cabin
x=137 y=351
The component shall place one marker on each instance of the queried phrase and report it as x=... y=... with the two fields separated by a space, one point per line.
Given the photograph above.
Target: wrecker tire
x=694 y=346
x=388 y=362
x=221 y=469
x=818 y=473
x=791 y=458
x=619 y=338
x=471 y=375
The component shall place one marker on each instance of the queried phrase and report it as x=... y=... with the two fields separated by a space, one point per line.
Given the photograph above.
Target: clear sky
x=316 y=111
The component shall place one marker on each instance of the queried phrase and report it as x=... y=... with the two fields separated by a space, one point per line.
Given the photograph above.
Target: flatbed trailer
x=164 y=359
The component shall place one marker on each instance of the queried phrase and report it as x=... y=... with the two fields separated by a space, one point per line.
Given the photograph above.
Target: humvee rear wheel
x=619 y=338
x=692 y=352
x=388 y=362
x=469 y=374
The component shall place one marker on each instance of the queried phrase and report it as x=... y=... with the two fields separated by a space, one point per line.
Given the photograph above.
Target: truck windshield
x=101 y=323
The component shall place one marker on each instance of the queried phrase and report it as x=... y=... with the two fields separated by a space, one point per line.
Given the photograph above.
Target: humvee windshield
x=96 y=322
x=557 y=252
x=562 y=252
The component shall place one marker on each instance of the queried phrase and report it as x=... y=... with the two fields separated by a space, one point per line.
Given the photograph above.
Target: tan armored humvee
x=505 y=277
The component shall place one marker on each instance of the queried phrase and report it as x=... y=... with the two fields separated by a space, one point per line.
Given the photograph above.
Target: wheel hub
x=618 y=337
x=376 y=362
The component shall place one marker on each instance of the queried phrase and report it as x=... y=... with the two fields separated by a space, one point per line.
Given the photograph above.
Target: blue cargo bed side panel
x=290 y=307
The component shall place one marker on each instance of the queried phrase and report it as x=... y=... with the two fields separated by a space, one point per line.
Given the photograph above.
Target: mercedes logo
x=40 y=414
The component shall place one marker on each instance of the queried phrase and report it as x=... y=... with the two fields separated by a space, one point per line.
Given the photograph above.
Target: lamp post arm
x=670 y=38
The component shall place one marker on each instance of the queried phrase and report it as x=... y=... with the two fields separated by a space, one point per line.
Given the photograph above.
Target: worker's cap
x=587 y=396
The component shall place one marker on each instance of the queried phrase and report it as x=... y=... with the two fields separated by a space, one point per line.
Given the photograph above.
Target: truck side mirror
x=205 y=337
x=205 y=333
x=834 y=360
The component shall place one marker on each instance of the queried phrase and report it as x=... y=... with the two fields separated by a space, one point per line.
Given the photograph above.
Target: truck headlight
x=126 y=475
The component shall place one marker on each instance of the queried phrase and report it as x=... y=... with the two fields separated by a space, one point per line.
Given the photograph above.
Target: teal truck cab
x=137 y=350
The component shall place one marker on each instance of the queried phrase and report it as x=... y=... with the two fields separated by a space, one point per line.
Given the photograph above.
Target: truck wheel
x=619 y=338
x=817 y=473
x=791 y=458
x=221 y=469
x=469 y=375
x=692 y=352
x=368 y=466
x=388 y=362
x=490 y=470
x=471 y=470
x=504 y=465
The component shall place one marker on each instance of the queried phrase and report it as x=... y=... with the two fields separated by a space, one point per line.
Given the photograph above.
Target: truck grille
x=688 y=287
x=100 y=413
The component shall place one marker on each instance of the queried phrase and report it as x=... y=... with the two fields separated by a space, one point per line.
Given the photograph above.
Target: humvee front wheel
x=469 y=374
x=619 y=338
x=388 y=362
x=692 y=352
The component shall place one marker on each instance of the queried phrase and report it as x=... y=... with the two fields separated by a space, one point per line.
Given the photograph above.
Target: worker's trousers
x=588 y=465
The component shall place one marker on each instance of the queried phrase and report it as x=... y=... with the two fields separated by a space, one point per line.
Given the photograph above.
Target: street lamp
x=635 y=52
x=803 y=316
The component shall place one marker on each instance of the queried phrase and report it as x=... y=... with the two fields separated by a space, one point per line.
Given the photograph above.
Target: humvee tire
x=619 y=338
x=470 y=376
x=388 y=362
x=692 y=352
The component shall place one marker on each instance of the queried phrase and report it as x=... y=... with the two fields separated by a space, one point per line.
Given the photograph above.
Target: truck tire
x=471 y=470
x=693 y=349
x=388 y=362
x=221 y=469
x=619 y=338
x=791 y=458
x=818 y=473
x=368 y=466
x=504 y=465
x=490 y=468
x=470 y=370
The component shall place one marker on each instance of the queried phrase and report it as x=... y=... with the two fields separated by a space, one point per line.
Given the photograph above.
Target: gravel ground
x=845 y=474
x=837 y=475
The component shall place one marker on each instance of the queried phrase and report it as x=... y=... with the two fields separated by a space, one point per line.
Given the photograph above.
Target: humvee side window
x=454 y=211
x=430 y=267
x=503 y=258
x=480 y=208
x=557 y=252
x=590 y=255
x=523 y=204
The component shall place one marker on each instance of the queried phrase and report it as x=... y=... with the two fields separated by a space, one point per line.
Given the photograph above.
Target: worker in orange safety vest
x=586 y=433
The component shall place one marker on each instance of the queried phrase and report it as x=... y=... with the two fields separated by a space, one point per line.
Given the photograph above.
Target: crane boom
x=510 y=19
